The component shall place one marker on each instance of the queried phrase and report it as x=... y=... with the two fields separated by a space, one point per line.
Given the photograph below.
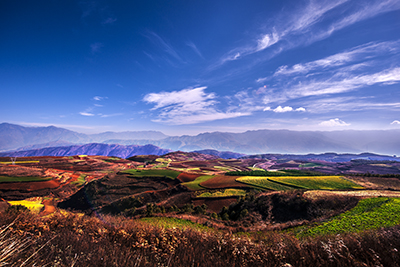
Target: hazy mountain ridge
x=16 y=137
x=250 y=142
x=91 y=149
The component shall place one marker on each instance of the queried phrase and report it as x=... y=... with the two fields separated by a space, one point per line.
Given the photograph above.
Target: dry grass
x=67 y=239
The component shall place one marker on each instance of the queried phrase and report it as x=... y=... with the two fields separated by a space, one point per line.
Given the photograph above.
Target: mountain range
x=16 y=137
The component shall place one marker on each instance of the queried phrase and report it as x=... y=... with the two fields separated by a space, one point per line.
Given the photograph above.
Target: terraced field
x=153 y=173
x=195 y=185
x=10 y=179
x=371 y=213
x=263 y=182
x=224 y=193
x=316 y=182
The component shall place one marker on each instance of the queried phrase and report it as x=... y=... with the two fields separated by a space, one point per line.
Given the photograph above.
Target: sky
x=187 y=67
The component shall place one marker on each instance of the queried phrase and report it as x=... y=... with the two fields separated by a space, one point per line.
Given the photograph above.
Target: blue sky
x=186 y=67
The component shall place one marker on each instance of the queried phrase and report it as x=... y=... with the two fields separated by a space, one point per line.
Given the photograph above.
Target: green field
x=195 y=185
x=80 y=181
x=372 y=213
x=230 y=192
x=169 y=223
x=153 y=173
x=10 y=179
x=263 y=182
x=316 y=182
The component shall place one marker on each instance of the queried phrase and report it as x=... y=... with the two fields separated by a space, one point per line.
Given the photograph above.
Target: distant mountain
x=221 y=154
x=14 y=137
x=91 y=149
x=250 y=142
x=329 y=157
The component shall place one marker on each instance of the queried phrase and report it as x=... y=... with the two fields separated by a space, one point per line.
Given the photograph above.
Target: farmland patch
x=152 y=173
x=263 y=182
x=230 y=192
x=371 y=213
x=316 y=182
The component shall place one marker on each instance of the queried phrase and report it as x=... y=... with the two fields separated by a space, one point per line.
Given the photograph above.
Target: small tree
x=13 y=160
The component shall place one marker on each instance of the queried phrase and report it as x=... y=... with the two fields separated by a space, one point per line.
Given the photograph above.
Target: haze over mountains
x=16 y=137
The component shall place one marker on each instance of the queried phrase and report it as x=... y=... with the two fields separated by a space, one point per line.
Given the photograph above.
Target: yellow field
x=35 y=205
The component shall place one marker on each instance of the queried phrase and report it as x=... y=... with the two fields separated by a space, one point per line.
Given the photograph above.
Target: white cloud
x=395 y=122
x=266 y=41
x=99 y=98
x=334 y=123
x=188 y=106
x=86 y=114
x=281 y=109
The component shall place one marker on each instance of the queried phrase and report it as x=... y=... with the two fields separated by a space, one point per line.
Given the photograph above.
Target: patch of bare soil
x=222 y=181
x=215 y=205
x=187 y=177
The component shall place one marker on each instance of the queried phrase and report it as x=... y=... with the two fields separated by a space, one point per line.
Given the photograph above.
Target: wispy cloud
x=164 y=45
x=188 y=106
x=307 y=24
x=362 y=52
x=99 y=98
x=395 y=122
x=86 y=114
x=195 y=49
x=342 y=82
x=110 y=115
x=334 y=123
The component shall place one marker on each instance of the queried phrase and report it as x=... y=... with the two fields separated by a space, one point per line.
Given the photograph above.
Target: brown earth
x=187 y=177
x=215 y=205
x=222 y=181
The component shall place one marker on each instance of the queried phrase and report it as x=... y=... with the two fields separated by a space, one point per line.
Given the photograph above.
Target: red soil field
x=222 y=181
x=187 y=177
x=30 y=186
x=215 y=205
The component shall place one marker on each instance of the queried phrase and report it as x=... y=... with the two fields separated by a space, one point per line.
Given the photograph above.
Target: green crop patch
x=263 y=182
x=230 y=192
x=371 y=213
x=11 y=179
x=153 y=173
x=80 y=181
x=316 y=182
x=195 y=185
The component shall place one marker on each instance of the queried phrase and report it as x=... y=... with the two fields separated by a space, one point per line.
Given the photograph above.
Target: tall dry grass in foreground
x=67 y=239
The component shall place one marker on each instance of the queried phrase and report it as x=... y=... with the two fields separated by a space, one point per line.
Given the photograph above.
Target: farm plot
x=195 y=185
x=316 y=182
x=371 y=213
x=224 y=193
x=153 y=173
x=263 y=182
x=11 y=179
x=35 y=205
x=223 y=181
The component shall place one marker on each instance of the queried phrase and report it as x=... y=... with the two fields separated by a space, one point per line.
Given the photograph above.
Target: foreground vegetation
x=67 y=239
